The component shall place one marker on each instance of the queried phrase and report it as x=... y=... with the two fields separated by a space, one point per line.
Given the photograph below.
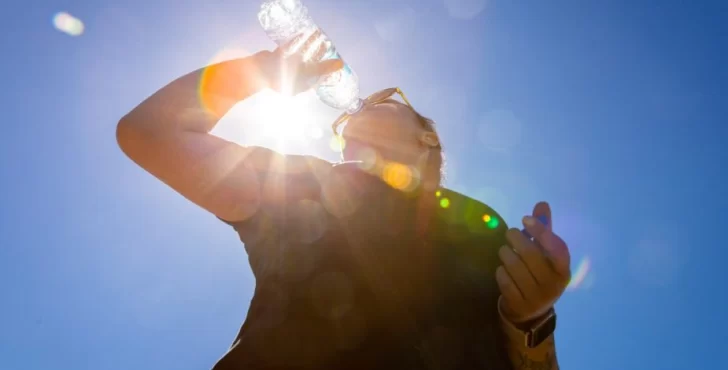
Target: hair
x=434 y=167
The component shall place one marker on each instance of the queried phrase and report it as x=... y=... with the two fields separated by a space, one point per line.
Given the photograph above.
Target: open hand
x=535 y=272
x=291 y=74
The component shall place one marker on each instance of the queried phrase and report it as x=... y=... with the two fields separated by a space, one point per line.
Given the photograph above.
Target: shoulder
x=280 y=179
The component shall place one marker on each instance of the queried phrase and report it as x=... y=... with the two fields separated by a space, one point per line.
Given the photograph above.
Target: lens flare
x=580 y=274
x=398 y=175
x=211 y=86
x=214 y=85
x=370 y=160
x=495 y=198
x=68 y=24
x=444 y=202
x=337 y=144
x=491 y=221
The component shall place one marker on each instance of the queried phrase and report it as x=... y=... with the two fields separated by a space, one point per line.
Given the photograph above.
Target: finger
x=533 y=256
x=556 y=250
x=317 y=47
x=325 y=67
x=291 y=46
x=541 y=219
x=519 y=274
x=508 y=288
x=534 y=227
x=543 y=210
x=308 y=49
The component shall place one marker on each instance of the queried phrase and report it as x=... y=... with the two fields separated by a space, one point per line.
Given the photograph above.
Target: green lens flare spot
x=444 y=202
x=490 y=221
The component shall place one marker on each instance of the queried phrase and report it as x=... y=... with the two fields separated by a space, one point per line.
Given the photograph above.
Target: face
x=389 y=128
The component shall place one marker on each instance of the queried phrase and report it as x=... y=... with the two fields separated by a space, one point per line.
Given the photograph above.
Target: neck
x=423 y=168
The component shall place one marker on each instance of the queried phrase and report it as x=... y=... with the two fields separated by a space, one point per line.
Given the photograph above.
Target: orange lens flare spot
x=218 y=88
x=397 y=175
x=213 y=88
x=487 y=218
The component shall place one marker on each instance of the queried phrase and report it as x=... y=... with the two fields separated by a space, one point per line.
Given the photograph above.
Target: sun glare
x=290 y=125
x=275 y=118
x=285 y=117
x=286 y=123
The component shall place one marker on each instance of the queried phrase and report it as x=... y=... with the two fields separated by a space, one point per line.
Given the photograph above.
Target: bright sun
x=281 y=116
x=272 y=119
x=268 y=118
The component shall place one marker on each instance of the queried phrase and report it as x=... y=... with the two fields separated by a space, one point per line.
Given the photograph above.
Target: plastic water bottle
x=287 y=21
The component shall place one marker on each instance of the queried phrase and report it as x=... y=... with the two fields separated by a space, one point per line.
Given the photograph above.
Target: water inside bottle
x=287 y=23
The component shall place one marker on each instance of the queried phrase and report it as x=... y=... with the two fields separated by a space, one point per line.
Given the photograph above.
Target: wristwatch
x=534 y=333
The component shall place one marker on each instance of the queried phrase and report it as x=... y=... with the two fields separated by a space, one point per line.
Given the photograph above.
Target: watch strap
x=536 y=333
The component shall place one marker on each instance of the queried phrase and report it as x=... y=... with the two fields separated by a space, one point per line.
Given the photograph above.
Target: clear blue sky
x=614 y=111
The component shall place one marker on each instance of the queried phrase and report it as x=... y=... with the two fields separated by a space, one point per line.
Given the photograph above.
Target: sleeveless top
x=354 y=274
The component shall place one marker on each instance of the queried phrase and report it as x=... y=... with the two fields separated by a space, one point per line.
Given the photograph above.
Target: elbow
x=133 y=136
x=125 y=134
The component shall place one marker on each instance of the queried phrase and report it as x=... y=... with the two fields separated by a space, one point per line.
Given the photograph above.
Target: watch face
x=541 y=332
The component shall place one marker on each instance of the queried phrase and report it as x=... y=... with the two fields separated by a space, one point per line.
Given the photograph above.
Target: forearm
x=542 y=357
x=196 y=101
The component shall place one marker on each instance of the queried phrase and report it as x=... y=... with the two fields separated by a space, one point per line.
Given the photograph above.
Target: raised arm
x=168 y=133
x=534 y=275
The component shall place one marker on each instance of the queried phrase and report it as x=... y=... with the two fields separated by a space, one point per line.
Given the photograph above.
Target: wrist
x=260 y=74
x=520 y=321
x=235 y=79
x=528 y=332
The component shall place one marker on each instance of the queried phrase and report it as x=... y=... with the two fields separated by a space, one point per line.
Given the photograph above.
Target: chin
x=355 y=149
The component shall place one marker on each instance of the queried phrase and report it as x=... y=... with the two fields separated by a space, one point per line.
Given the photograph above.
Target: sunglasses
x=372 y=99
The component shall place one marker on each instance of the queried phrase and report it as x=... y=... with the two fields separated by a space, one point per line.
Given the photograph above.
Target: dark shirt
x=354 y=274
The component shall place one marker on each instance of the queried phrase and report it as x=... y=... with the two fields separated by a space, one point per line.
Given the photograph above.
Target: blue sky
x=613 y=111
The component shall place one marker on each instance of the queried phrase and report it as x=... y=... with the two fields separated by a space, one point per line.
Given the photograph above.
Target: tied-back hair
x=434 y=169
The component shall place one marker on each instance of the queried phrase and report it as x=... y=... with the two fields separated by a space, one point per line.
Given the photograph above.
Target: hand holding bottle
x=290 y=75
x=287 y=23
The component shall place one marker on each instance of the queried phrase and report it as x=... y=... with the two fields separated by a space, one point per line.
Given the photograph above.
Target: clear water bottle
x=287 y=21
